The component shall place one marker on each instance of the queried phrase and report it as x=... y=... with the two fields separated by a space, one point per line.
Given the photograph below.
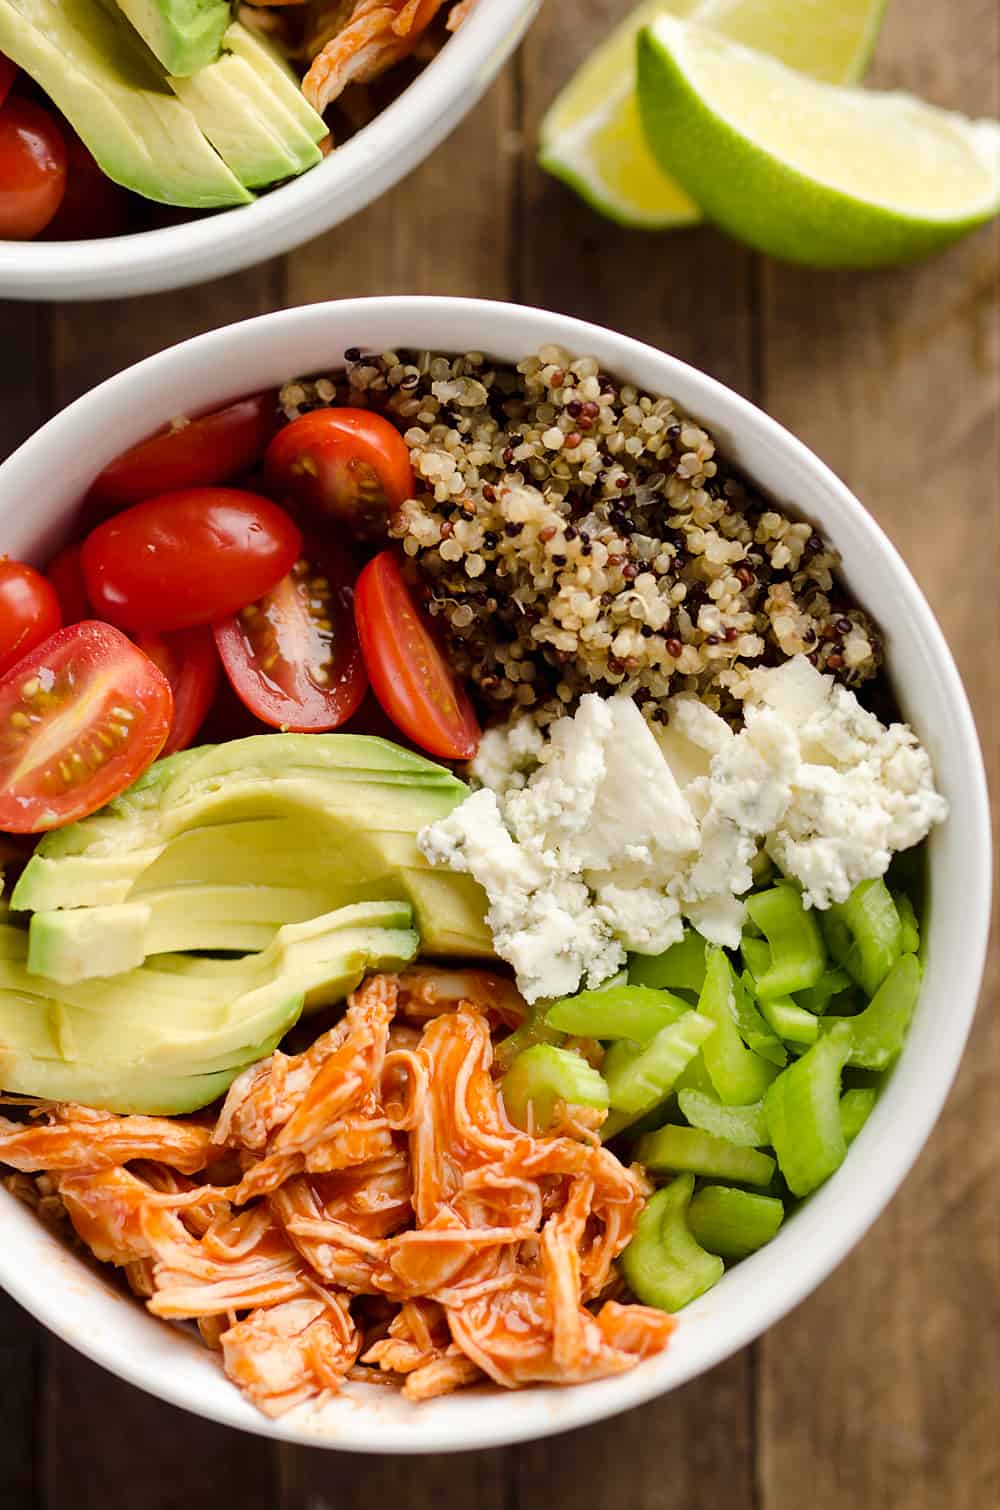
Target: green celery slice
x=640 y=1075
x=865 y=934
x=663 y=1265
x=909 y=939
x=692 y=1151
x=790 y=1021
x=817 y=998
x=745 y=1126
x=738 y=1074
x=635 y=1012
x=733 y=1223
x=855 y=1109
x=756 y=1033
x=543 y=1075
x=534 y=1029
x=798 y=958
x=802 y=1108
x=679 y=968
x=877 y=1033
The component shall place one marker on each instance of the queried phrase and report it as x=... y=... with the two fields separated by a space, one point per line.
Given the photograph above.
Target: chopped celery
x=635 y=1012
x=909 y=939
x=679 y=968
x=802 y=1108
x=878 y=1032
x=818 y=998
x=743 y=1125
x=695 y=1077
x=534 y=1029
x=738 y=1074
x=733 y=1223
x=756 y=954
x=755 y=1032
x=640 y=1075
x=663 y=1265
x=543 y=1075
x=865 y=934
x=695 y=1152
x=790 y=1021
x=798 y=958
x=855 y=1109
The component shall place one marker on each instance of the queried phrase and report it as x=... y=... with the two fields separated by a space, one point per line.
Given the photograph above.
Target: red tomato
x=93 y=204
x=83 y=714
x=65 y=575
x=199 y=453
x=8 y=73
x=293 y=657
x=190 y=664
x=187 y=557
x=409 y=674
x=29 y=611
x=32 y=169
x=345 y=464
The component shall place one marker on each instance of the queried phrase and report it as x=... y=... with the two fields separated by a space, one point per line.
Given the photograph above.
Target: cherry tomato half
x=81 y=716
x=93 y=204
x=199 y=453
x=344 y=464
x=32 y=169
x=189 y=661
x=293 y=657
x=187 y=557
x=29 y=611
x=65 y=575
x=408 y=672
x=8 y=73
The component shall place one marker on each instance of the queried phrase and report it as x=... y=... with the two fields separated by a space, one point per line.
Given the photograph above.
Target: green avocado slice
x=219 y=849
x=184 y=35
x=159 y=1039
x=105 y=81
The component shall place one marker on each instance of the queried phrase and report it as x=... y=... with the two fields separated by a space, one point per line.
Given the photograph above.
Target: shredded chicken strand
x=388 y=1220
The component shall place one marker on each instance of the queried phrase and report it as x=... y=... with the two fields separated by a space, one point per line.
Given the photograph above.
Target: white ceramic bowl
x=354 y=175
x=54 y=468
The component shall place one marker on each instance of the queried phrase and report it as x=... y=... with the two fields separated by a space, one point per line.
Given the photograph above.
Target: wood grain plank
x=313 y=1479
x=444 y=230
x=23 y=330
x=91 y=342
x=107 y=1443
x=691 y=293
x=881 y=1390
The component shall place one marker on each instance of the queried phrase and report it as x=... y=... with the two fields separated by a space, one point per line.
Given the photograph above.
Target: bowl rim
x=821 y=1251
x=350 y=178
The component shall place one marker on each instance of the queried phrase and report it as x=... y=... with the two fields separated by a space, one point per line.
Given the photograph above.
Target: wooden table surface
x=881 y=1391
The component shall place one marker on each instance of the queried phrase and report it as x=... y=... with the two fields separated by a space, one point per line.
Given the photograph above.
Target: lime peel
x=807 y=171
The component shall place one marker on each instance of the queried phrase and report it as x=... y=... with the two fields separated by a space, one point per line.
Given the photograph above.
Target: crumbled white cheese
x=602 y=837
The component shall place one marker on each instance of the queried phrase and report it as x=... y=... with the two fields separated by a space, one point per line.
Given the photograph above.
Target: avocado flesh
x=242 y=838
x=162 y=1040
x=241 y=102
x=106 y=82
x=183 y=35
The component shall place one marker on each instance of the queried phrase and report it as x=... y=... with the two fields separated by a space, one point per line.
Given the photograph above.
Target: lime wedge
x=807 y=171
x=591 y=136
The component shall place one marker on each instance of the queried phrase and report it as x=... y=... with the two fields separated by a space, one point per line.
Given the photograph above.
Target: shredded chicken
x=377 y=1170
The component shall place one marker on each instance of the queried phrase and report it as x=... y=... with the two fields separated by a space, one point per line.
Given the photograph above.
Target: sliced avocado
x=105 y=81
x=240 y=104
x=166 y=1039
x=240 y=839
x=183 y=35
x=282 y=84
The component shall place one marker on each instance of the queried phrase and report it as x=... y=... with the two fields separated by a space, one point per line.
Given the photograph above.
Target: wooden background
x=881 y=1391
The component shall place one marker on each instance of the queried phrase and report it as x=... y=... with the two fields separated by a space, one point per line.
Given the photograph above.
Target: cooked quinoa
x=575 y=533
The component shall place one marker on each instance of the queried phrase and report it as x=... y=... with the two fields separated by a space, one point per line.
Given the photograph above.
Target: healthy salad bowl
x=155 y=144
x=496 y=874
